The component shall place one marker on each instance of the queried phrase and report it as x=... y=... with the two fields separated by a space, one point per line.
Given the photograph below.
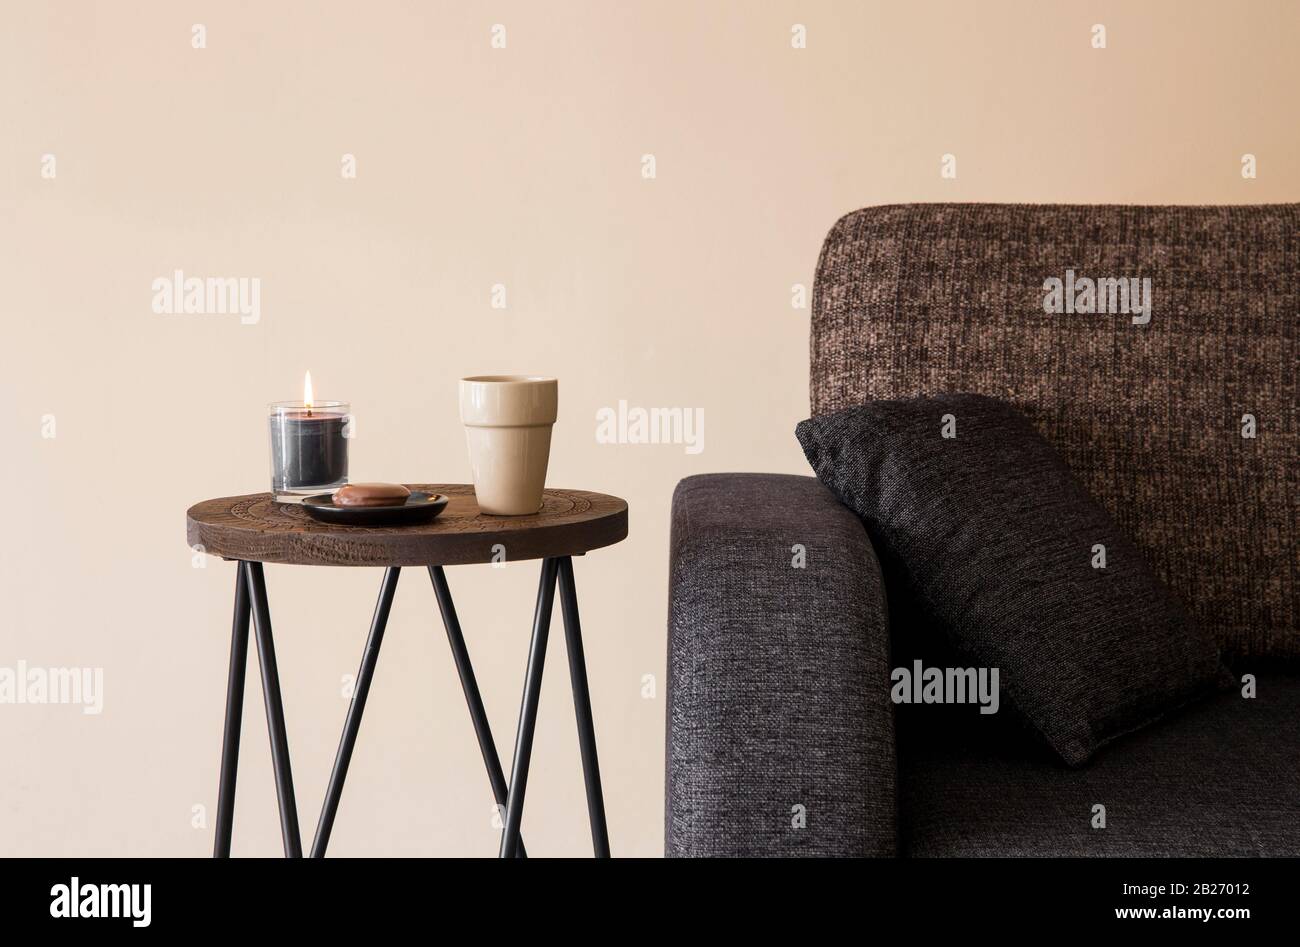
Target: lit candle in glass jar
x=309 y=446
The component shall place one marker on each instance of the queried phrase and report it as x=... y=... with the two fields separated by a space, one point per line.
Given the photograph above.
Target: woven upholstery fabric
x=930 y=298
x=1000 y=543
x=1218 y=779
x=776 y=675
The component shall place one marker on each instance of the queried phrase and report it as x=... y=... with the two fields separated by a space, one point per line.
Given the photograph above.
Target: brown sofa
x=1180 y=416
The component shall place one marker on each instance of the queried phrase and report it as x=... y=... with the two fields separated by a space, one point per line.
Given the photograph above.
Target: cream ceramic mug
x=508 y=422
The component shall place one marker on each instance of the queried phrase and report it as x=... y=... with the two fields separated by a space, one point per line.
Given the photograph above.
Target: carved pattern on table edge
x=252 y=527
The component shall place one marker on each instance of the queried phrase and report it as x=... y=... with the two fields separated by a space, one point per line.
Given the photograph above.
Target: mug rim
x=507 y=379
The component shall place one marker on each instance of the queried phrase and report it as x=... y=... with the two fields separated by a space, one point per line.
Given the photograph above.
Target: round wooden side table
x=253 y=530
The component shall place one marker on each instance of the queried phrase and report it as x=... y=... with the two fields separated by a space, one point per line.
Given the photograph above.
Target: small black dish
x=419 y=507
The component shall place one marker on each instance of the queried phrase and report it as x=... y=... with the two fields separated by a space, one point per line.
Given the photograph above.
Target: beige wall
x=478 y=166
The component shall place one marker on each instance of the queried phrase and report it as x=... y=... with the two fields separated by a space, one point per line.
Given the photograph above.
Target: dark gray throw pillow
x=1026 y=571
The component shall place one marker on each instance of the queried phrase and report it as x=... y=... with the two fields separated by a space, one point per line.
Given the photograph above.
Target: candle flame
x=306 y=391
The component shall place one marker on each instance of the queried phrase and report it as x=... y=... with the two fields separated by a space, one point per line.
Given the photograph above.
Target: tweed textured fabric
x=1217 y=780
x=780 y=727
x=1024 y=570
x=922 y=299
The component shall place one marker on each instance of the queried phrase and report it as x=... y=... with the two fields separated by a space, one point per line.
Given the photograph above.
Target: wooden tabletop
x=257 y=529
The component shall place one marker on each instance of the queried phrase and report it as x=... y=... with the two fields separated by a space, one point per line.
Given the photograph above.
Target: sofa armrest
x=778 y=676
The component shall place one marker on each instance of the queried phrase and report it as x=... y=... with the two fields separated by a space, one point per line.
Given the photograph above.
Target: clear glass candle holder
x=309 y=448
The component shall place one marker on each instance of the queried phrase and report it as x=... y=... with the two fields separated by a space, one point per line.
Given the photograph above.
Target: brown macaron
x=371 y=494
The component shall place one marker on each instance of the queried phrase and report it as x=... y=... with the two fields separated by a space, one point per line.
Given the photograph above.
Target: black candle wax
x=308 y=449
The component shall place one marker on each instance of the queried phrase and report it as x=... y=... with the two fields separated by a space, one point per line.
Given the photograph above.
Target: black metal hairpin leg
x=369 y=658
x=251 y=600
x=528 y=710
x=582 y=707
x=234 y=718
x=274 y=710
x=469 y=684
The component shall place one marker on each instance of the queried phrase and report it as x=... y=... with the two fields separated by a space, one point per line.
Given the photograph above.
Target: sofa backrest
x=1155 y=416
